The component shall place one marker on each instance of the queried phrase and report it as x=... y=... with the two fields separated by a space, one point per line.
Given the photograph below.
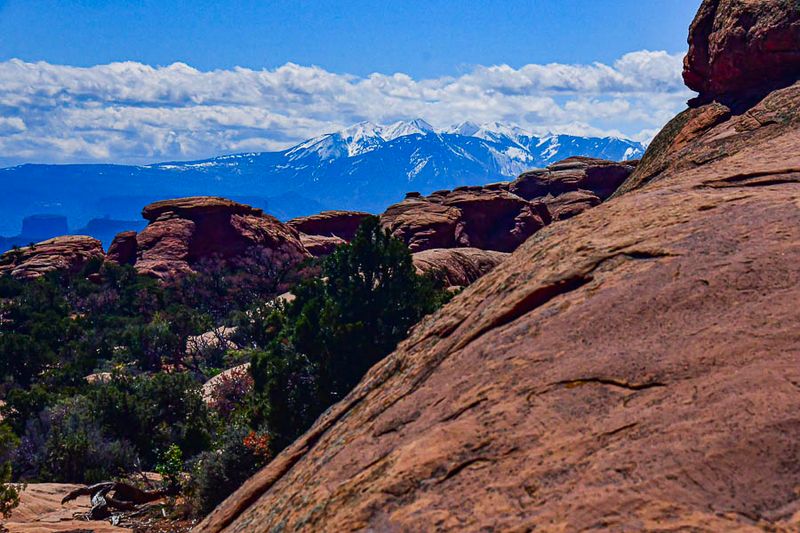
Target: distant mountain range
x=366 y=167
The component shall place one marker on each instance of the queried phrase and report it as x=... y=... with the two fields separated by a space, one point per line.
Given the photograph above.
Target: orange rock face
x=62 y=254
x=319 y=245
x=341 y=224
x=635 y=368
x=595 y=176
x=457 y=267
x=186 y=231
x=503 y=215
x=737 y=47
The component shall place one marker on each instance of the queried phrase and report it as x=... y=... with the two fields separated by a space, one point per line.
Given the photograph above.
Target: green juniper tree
x=340 y=324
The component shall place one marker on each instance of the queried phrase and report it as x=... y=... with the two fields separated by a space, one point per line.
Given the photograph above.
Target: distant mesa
x=36 y=228
x=41 y=227
x=104 y=229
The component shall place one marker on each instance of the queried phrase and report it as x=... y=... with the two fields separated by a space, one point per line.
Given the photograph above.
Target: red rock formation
x=457 y=267
x=64 y=254
x=186 y=231
x=571 y=204
x=342 y=224
x=475 y=217
x=319 y=245
x=576 y=173
x=502 y=216
x=632 y=369
x=494 y=219
x=123 y=249
x=740 y=47
x=421 y=223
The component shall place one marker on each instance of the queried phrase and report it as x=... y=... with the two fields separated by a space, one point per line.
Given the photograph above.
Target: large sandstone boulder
x=457 y=267
x=597 y=176
x=62 y=254
x=213 y=385
x=635 y=368
x=341 y=224
x=738 y=48
x=184 y=232
x=320 y=245
x=502 y=216
x=474 y=217
x=123 y=248
x=422 y=223
x=571 y=204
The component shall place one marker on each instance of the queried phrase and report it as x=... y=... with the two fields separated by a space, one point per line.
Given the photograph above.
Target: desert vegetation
x=103 y=373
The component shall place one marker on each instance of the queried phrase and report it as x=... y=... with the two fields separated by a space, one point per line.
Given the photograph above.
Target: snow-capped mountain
x=513 y=148
x=358 y=139
x=366 y=166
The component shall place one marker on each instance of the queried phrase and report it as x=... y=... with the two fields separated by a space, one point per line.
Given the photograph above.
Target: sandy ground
x=40 y=511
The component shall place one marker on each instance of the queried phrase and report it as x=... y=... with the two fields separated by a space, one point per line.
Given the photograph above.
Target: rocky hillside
x=634 y=368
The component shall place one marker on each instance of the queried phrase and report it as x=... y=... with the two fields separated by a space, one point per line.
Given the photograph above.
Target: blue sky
x=125 y=81
x=427 y=38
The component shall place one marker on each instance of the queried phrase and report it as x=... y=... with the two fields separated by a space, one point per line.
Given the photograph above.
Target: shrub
x=231 y=392
x=9 y=493
x=171 y=465
x=154 y=412
x=216 y=474
x=66 y=444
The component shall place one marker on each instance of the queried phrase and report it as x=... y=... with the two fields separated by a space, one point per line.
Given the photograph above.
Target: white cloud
x=130 y=112
x=11 y=125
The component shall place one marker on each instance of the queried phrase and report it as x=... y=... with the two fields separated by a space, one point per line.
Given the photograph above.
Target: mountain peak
x=514 y=148
x=467 y=128
x=402 y=128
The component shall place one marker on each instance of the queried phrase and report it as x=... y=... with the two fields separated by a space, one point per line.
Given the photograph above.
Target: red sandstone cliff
x=634 y=368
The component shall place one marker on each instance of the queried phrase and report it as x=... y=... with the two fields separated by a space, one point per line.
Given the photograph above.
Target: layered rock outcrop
x=342 y=224
x=502 y=216
x=320 y=245
x=739 y=49
x=67 y=254
x=123 y=249
x=457 y=267
x=322 y=233
x=184 y=232
x=635 y=368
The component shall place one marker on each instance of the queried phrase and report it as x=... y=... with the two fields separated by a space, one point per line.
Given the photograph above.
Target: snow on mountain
x=366 y=166
x=466 y=128
x=514 y=148
x=402 y=128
